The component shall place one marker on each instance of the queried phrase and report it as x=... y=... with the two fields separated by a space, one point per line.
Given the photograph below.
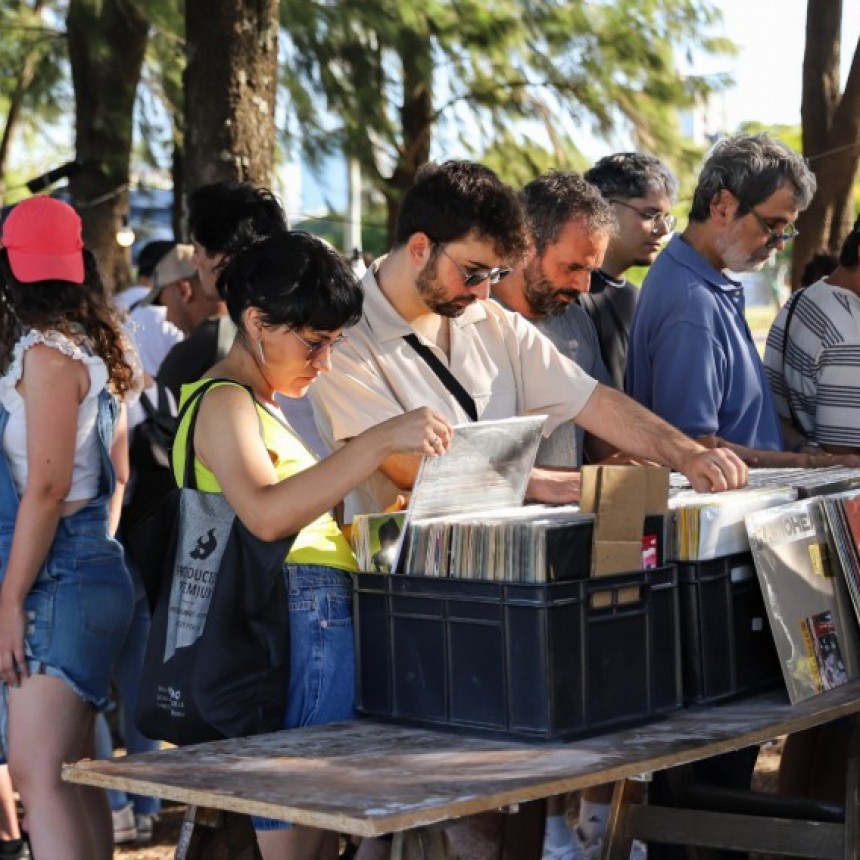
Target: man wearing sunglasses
x=641 y=190
x=692 y=358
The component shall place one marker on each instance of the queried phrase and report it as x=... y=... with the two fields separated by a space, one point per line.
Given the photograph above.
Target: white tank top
x=85 y=476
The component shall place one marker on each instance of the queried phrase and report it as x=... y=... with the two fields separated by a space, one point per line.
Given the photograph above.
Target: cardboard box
x=620 y=497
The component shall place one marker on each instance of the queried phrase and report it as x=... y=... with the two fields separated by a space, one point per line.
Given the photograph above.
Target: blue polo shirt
x=692 y=358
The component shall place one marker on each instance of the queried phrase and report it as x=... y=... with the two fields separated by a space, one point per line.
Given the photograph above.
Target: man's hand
x=808 y=458
x=715 y=470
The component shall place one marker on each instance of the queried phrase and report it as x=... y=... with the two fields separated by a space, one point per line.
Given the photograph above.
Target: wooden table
x=368 y=778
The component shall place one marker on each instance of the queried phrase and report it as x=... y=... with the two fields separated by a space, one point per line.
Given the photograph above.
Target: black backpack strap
x=189 y=480
x=792 y=307
x=447 y=378
x=164 y=405
x=146 y=403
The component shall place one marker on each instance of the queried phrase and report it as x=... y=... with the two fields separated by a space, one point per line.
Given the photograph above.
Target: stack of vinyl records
x=711 y=525
x=526 y=544
x=807 y=482
x=811 y=616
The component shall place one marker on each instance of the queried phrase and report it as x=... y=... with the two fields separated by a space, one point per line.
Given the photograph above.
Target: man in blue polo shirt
x=692 y=358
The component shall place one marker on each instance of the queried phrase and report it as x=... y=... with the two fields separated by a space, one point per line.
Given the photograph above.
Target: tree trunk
x=831 y=128
x=230 y=85
x=416 y=118
x=107 y=41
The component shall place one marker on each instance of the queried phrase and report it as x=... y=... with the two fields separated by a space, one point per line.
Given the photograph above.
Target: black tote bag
x=218 y=656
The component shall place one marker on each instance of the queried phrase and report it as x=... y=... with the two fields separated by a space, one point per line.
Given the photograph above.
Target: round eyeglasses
x=314 y=349
x=774 y=236
x=657 y=219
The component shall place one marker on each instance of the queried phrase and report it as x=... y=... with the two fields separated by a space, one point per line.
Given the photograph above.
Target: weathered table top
x=369 y=778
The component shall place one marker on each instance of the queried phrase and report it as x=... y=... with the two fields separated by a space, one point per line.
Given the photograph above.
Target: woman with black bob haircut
x=282 y=278
x=291 y=296
x=65 y=594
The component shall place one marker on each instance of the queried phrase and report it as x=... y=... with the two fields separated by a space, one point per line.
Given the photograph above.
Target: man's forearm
x=621 y=421
x=553 y=486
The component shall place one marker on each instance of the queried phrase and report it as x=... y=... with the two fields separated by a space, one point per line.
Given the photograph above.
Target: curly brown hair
x=75 y=310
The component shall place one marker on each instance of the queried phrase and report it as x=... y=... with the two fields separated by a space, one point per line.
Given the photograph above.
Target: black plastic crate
x=727 y=648
x=517 y=660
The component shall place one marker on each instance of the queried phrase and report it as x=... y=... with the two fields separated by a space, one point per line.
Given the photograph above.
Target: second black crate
x=727 y=648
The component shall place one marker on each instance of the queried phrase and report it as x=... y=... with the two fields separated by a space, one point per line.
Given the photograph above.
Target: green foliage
x=517 y=161
x=791 y=135
x=27 y=37
x=330 y=227
x=160 y=104
x=379 y=78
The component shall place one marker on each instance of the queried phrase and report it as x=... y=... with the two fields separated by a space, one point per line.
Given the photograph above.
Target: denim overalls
x=80 y=605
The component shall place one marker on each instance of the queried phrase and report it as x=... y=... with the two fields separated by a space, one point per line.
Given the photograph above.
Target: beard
x=543 y=297
x=737 y=259
x=432 y=293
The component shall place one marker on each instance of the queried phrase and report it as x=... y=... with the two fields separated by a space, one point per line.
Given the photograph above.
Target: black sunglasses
x=472 y=279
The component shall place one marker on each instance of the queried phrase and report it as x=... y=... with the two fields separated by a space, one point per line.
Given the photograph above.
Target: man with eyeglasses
x=642 y=191
x=692 y=358
x=428 y=336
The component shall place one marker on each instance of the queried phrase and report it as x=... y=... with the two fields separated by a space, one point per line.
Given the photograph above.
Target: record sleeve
x=815 y=639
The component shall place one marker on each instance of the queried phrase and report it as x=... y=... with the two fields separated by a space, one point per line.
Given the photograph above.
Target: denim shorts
x=322 y=662
x=80 y=605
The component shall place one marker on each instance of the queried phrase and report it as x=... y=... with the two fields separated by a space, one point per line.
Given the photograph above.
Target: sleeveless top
x=87 y=463
x=320 y=542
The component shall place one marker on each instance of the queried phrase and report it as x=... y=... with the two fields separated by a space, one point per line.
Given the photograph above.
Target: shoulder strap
x=188 y=479
x=447 y=378
x=146 y=403
x=792 y=307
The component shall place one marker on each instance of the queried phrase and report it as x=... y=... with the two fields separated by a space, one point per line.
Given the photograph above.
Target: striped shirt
x=821 y=373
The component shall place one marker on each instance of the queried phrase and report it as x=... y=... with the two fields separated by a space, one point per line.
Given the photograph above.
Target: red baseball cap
x=42 y=237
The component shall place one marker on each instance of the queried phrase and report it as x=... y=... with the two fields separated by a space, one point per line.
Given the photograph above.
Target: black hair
x=455 y=199
x=849 y=256
x=631 y=174
x=818 y=267
x=226 y=216
x=294 y=279
x=150 y=256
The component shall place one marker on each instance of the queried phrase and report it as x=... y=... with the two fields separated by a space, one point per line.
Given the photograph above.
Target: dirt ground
x=167 y=828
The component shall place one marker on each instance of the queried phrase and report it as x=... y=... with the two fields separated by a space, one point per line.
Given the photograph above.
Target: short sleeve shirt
x=821 y=373
x=611 y=304
x=692 y=358
x=507 y=366
x=574 y=335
